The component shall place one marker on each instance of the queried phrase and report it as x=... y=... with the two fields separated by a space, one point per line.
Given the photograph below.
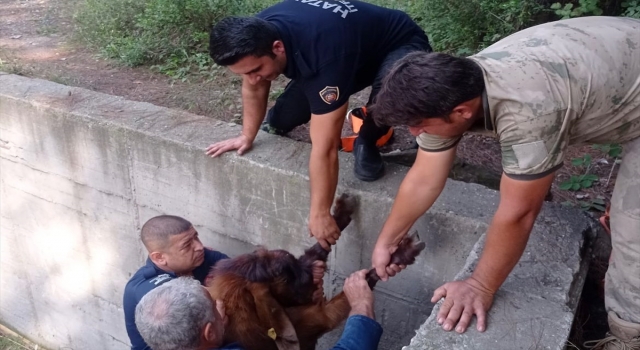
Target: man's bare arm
x=520 y=203
x=419 y=190
x=254 y=104
x=325 y=133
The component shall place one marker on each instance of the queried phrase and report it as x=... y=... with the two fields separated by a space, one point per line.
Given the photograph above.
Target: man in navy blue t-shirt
x=330 y=50
x=174 y=250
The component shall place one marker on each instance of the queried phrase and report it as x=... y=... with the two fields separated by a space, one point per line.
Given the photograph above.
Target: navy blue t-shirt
x=149 y=277
x=335 y=48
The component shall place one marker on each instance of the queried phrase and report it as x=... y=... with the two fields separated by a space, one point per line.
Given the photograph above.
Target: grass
x=8 y=342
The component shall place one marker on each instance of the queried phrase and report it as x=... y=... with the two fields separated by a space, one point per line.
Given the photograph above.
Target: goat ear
x=272 y=315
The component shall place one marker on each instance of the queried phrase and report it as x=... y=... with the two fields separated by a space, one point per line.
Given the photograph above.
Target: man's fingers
x=382 y=273
x=465 y=318
x=438 y=294
x=393 y=269
x=452 y=317
x=390 y=271
x=325 y=244
x=444 y=310
x=242 y=149
x=361 y=274
x=481 y=315
x=211 y=149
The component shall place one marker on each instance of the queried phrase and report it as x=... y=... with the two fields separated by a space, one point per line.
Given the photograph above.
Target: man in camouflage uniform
x=538 y=91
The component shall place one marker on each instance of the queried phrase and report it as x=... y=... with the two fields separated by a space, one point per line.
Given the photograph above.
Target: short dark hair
x=234 y=38
x=426 y=85
x=158 y=229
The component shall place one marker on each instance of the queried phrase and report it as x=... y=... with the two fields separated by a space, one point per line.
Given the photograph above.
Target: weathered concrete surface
x=82 y=171
x=534 y=309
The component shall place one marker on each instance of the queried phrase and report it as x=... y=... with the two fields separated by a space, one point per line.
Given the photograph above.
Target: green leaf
x=575 y=186
x=598 y=201
x=598 y=207
x=556 y=6
x=566 y=185
x=586 y=183
x=568 y=204
x=615 y=152
x=590 y=177
x=576 y=161
x=587 y=159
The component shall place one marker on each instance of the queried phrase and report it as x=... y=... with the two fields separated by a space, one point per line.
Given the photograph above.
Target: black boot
x=272 y=130
x=368 y=161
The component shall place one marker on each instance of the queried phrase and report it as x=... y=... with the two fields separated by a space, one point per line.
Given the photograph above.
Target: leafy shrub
x=466 y=26
x=163 y=32
x=631 y=8
x=172 y=34
x=584 y=7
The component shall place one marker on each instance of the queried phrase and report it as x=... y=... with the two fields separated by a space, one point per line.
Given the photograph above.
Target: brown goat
x=268 y=294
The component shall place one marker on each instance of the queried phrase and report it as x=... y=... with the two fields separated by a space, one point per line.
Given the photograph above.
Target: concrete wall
x=82 y=171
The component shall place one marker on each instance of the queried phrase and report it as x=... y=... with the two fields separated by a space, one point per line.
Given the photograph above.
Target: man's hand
x=318 y=269
x=381 y=259
x=463 y=299
x=242 y=143
x=324 y=229
x=359 y=294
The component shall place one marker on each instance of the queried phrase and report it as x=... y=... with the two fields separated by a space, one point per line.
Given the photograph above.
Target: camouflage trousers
x=622 y=282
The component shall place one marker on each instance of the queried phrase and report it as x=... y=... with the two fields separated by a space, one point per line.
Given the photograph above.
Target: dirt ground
x=36 y=41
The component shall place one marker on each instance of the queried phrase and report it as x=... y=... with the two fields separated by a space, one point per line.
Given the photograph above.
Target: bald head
x=156 y=231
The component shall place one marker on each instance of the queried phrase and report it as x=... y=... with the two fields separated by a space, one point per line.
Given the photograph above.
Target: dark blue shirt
x=149 y=277
x=360 y=333
x=335 y=48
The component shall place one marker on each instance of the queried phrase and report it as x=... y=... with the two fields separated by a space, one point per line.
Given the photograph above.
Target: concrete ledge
x=535 y=307
x=82 y=171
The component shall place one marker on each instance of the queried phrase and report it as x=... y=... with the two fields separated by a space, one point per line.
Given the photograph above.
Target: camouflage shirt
x=555 y=84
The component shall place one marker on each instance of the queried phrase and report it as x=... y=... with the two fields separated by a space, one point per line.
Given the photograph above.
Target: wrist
x=477 y=281
x=362 y=309
x=318 y=213
x=247 y=136
x=387 y=242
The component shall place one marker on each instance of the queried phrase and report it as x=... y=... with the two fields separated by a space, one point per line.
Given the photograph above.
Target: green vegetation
x=172 y=35
x=586 y=180
x=8 y=342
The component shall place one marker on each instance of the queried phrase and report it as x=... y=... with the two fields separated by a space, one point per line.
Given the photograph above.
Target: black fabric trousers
x=292 y=107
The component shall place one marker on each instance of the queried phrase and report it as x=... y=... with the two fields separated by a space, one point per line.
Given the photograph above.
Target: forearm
x=418 y=191
x=505 y=242
x=254 y=104
x=323 y=175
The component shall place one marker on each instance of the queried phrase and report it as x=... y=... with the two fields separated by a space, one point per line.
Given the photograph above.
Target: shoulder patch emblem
x=330 y=94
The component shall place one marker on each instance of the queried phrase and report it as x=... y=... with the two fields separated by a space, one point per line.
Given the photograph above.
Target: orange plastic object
x=356 y=124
